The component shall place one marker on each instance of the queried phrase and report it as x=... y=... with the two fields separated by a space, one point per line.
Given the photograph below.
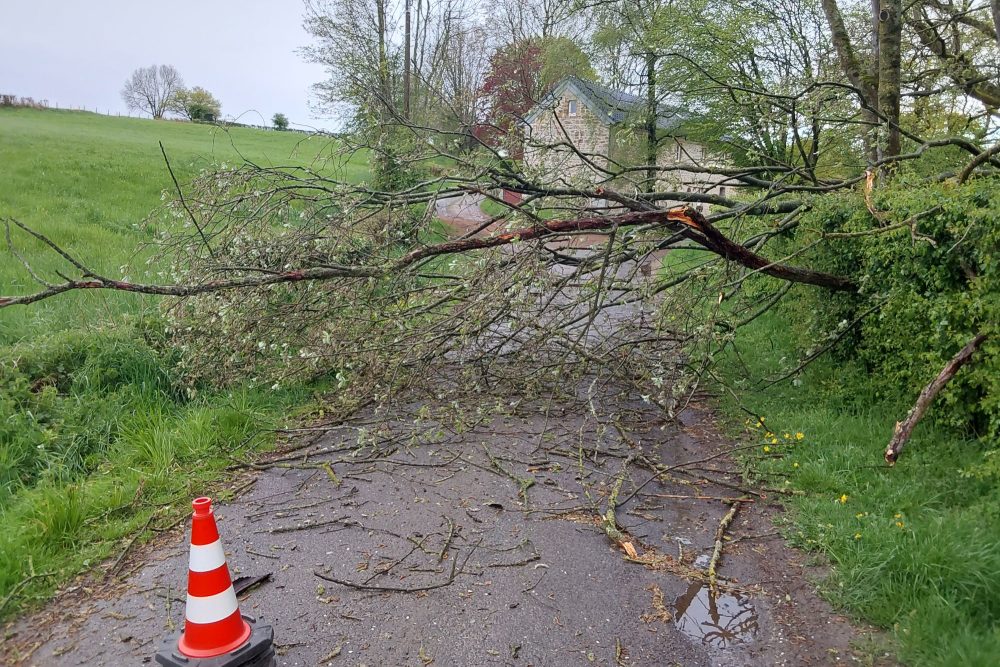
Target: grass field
x=915 y=548
x=96 y=440
x=90 y=181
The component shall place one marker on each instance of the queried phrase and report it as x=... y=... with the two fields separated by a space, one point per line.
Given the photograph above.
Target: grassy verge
x=97 y=440
x=97 y=444
x=915 y=549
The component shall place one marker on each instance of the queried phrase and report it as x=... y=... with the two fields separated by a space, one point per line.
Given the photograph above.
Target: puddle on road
x=718 y=620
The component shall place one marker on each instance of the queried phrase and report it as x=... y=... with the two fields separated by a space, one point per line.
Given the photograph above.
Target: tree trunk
x=860 y=78
x=651 y=117
x=383 y=59
x=876 y=7
x=406 y=61
x=995 y=7
x=890 y=33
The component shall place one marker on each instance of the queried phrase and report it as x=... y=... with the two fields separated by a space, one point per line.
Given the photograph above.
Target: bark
x=861 y=79
x=383 y=59
x=651 y=116
x=995 y=9
x=406 y=61
x=712 y=239
x=985 y=156
x=904 y=429
x=890 y=32
x=720 y=533
x=876 y=6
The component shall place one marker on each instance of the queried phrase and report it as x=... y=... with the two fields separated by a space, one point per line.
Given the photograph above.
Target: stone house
x=580 y=128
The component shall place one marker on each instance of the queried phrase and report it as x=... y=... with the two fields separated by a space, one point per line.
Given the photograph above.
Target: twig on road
x=455 y=571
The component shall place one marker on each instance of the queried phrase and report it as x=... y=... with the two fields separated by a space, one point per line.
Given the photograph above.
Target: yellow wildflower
x=766 y=449
x=857 y=536
x=787 y=436
x=768 y=435
x=900 y=524
x=843 y=499
x=795 y=465
x=859 y=515
x=897 y=515
x=774 y=441
x=799 y=436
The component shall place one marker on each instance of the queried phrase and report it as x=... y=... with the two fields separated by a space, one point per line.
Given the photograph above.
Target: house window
x=678 y=152
x=572 y=107
x=722 y=190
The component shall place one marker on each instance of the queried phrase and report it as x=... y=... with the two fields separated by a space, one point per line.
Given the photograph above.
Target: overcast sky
x=79 y=53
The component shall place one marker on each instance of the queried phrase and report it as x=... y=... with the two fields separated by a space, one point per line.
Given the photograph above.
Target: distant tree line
x=9 y=100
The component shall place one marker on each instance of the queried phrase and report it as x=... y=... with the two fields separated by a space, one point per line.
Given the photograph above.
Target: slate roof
x=609 y=105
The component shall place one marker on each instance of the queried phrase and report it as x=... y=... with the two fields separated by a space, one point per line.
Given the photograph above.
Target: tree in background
x=520 y=20
x=353 y=41
x=394 y=62
x=196 y=104
x=520 y=75
x=632 y=37
x=727 y=58
x=280 y=121
x=151 y=89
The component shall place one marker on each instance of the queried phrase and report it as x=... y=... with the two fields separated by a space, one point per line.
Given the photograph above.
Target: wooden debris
x=904 y=429
x=713 y=564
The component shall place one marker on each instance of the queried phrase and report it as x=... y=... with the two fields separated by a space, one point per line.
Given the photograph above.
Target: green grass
x=89 y=182
x=915 y=549
x=493 y=208
x=96 y=434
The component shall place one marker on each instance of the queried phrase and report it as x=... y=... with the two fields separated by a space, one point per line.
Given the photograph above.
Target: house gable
x=609 y=106
x=568 y=87
x=594 y=121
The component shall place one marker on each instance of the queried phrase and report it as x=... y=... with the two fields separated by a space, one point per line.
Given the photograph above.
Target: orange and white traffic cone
x=212 y=622
x=215 y=633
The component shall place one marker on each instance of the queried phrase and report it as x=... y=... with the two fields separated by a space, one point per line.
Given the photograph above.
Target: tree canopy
x=196 y=104
x=152 y=89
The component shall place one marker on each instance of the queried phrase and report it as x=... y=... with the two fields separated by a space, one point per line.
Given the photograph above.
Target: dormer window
x=572 y=107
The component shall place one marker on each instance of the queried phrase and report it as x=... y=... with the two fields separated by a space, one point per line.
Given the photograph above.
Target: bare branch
x=904 y=429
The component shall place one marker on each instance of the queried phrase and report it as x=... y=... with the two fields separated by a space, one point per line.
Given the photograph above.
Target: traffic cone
x=215 y=633
x=212 y=622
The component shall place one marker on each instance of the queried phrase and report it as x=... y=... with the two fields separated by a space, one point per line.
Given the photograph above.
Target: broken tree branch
x=697 y=226
x=904 y=429
x=713 y=564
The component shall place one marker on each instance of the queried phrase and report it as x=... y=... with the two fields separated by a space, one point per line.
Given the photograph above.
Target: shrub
x=931 y=260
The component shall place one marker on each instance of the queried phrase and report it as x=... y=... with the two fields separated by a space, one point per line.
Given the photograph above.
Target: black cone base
x=258 y=651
